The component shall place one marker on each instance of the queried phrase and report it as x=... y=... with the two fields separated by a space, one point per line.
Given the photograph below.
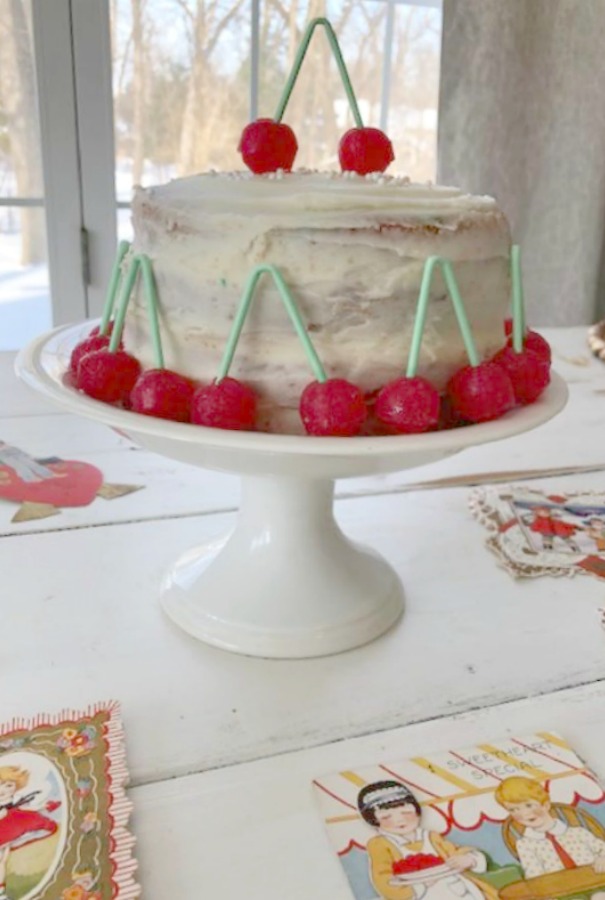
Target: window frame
x=54 y=67
x=73 y=64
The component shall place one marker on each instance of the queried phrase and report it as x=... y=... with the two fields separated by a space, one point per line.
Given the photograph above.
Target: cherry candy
x=267 y=145
x=106 y=376
x=409 y=405
x=89 y=345
x=448 y=416
x=228 y=403
x=162 y=393
x=480 y=393
x=365 y=150
x=332 y=408
x=108 y=330
x=531 y=341
x=536 y=343
x=528 y=372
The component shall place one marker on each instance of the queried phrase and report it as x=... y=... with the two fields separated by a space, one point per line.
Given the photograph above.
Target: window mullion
x=94 y=103
x=387 y=63
x=51 y=25
x=254 y=59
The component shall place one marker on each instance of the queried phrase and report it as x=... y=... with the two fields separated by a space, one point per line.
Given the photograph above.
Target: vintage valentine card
x=43 y=486
x=63 y=810
x=533 y=533
x=520 y=819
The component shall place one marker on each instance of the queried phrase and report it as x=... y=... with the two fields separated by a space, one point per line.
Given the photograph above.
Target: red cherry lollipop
x=528 y=372
x=98 y=339
x=89 y=345
x=227 y=403
x=531 y=341
x=107 y=332
x=163 y=394
x=481 y=392
x=159 y=392
x=519 y=338
x=364 y=150
x=109 y=374
x=409 y=405
x=332 y=407
x=267 y=145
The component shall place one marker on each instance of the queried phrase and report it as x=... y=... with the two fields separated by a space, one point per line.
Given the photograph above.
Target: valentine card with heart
x=53 y=481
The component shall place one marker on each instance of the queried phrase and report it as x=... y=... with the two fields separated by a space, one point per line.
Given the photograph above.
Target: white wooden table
x=222 y=748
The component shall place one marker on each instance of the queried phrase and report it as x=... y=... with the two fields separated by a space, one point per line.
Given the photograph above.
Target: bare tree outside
x=20 y=161
x=181 y=87
x=182 y=70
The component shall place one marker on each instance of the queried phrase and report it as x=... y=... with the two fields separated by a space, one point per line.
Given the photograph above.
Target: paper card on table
x=52 y=481
x=115 y=491
x=39 y=484
x=63 y=811
x=30 y=512
x=518 y=819
x=533 y=533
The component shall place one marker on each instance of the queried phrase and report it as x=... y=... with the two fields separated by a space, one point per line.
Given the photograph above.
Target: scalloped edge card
x=533 y=533
x=63 y=809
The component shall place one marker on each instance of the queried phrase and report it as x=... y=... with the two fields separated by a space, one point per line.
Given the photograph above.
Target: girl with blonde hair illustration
x=18 y=826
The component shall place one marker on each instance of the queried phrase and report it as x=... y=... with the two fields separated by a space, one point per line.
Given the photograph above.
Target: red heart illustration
x=72 y=484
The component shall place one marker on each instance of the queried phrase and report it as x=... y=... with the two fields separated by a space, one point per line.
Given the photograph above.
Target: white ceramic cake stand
x=286 y=582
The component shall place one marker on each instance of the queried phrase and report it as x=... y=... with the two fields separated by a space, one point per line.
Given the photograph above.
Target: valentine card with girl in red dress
x=63 y=810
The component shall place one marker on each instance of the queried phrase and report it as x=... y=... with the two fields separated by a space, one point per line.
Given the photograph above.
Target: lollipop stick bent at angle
x=328 y=406
x=110 y=374
x=479 y=391
x=112 y=288
x=411 y=405
x=159 y=392
x=98 y=339
x=297 y=65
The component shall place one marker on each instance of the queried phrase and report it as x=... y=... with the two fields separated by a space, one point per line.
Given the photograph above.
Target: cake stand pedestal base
x=286 y=582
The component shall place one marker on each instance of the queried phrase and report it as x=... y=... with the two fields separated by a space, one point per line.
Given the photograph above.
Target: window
x=162 y=88
x=25 y=308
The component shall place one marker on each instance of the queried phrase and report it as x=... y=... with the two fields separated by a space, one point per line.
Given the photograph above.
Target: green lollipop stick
x=151 y=296
x=293 y=312
x=463 y=322
x=297 y=64
x=420 y=318
x=518 y=299
x=422 y=307
x=112 y=287
x=125 y=293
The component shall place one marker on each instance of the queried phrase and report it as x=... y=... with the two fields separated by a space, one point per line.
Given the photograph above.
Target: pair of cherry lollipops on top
x=267 y=146
x=335 y=407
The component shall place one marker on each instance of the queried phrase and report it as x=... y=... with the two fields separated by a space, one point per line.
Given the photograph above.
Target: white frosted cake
x=352 y=250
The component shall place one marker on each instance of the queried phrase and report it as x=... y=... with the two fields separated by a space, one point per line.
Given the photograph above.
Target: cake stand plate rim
x=41 y=363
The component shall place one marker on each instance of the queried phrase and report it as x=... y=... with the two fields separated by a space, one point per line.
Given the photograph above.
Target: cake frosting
x=352 y=250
